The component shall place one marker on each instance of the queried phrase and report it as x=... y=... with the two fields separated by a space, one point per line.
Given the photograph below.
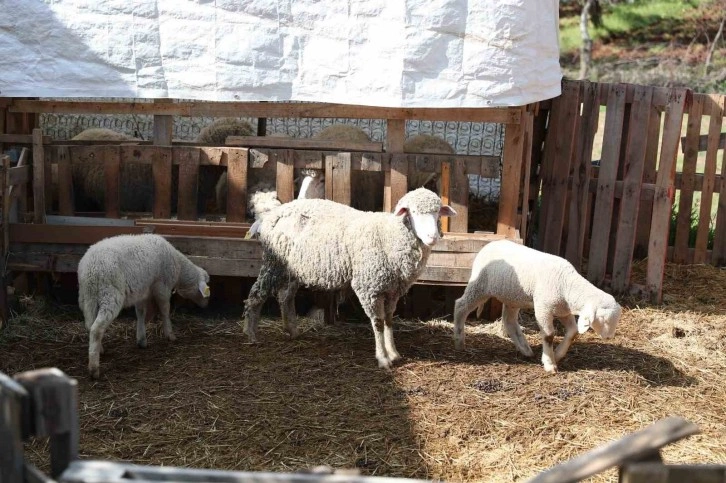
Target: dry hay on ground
x=211 y=400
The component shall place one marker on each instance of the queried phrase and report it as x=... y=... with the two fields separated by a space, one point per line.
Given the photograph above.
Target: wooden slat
x=285 y=177
x=302 y=143
x=657 y=472
x=709 y=174
x=18 y=175
x=48 y=179
x=36 y=233
x=564 y=140
x=602 y=215
x=718 y=256
x=395 y=139
x=13 y=403
x=161 y=170
x=663 y=197
x=645 y=212
x=338 y=179
x=237 y=185
x=188 y=191
x=634 y=165
x=547 y=167
x=525 y=182
x=20 y=138
x=445 y=193
x=507 y=115
x=582 y=168
x=38 y=177
x=459 y=198
x=65 y=181
x=399 y=178
x=111 y=158
x=4 y=240
x=163 y=125
x=685 y=202
x=447 y=275
x=632 y=447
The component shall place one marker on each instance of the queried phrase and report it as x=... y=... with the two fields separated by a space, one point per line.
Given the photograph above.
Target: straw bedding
x=211 y=400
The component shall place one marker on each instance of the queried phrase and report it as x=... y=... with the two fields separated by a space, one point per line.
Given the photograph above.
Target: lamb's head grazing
x=423 y=208
x=603 y=318
x=313 y=185
x=194 y=284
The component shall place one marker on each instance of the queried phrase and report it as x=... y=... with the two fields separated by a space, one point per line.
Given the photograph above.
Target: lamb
x=329 y=246
x=139 y=270
x=521 y=277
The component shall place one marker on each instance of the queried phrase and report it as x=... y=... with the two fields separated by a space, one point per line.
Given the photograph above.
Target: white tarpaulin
x=413 y=53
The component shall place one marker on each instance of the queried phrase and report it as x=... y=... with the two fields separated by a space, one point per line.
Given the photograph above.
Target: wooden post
x=13 y=398
x=511 y=171
x=338 y=179
x=395 y=138
x=718 y=255
x=398 y=180
x=111 y=159
x=38 y=177
x=54 y=413
x=528 y=129
x=65 y=181
x=237 y=161
x=460 y=198
x=445 y=190
x=163 y=126
x=188 y=182
x=664 y=192
x=285 y=182
x=161 y=170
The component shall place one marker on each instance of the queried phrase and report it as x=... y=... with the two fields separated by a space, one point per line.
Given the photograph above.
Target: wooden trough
x=43 y=240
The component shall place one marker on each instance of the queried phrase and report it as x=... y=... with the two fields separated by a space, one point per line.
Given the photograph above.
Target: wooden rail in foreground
x=44 y=403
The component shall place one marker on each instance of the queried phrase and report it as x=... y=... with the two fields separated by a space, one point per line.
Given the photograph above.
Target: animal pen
x=50 y=239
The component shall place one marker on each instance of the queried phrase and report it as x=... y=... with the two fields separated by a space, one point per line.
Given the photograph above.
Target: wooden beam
x=459 y=198
x=21 y=139
x=38 y=177
x=285 y=177
x=188 y=191
x=161 y=170
x=13 y=405
x=395 y=138
x=445 y=193
x=302 y=143
x=111 y=159
x=88 y=235
x=507 y=221
x=65 y=181
x=508 y=115
x=237 y=185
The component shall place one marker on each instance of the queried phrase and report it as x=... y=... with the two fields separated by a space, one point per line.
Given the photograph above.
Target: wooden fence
x=600 y=217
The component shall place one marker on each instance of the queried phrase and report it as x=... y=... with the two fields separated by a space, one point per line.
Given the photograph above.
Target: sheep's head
x=196 y=288
x=313 y=185
x=603 y=320
x=423 y=208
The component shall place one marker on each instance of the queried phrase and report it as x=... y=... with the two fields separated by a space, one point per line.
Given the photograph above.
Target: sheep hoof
x=141 y=343
x=527 y=351
x=459 y=345
x=385 y=363
x=551 y=369
x=171 y=336
x=95 y=372
x=294 y=333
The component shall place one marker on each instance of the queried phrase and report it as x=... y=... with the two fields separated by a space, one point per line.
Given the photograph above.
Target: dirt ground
x=211 y=400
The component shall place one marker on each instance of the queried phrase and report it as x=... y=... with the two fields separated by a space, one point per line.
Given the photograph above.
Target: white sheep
x=329 y=246
x=139 y=270
x=523 y=278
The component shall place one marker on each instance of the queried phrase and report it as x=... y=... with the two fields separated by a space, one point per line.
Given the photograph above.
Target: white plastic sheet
x=412 y=53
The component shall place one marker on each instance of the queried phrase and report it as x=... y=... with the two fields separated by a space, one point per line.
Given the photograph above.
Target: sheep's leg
x=162 y=303
x=286 y=298
x=105 y=316
x=547 y=331
x=510 y=320
x=471 y=299
x=374 y=309
x=141 y=324
x=253 y=304
x=389 y=344
x=570 y=335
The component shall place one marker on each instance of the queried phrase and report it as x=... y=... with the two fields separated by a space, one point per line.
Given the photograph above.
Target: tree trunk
x=586 y=48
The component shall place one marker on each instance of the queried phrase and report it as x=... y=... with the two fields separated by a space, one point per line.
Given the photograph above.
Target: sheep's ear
x=400 y=210
x=446 y=210
x=204 y=288
x=584 y=322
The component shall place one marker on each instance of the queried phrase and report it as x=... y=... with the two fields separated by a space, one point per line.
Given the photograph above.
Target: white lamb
x=521 y=277
x=138 y=270
x=329 y=246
